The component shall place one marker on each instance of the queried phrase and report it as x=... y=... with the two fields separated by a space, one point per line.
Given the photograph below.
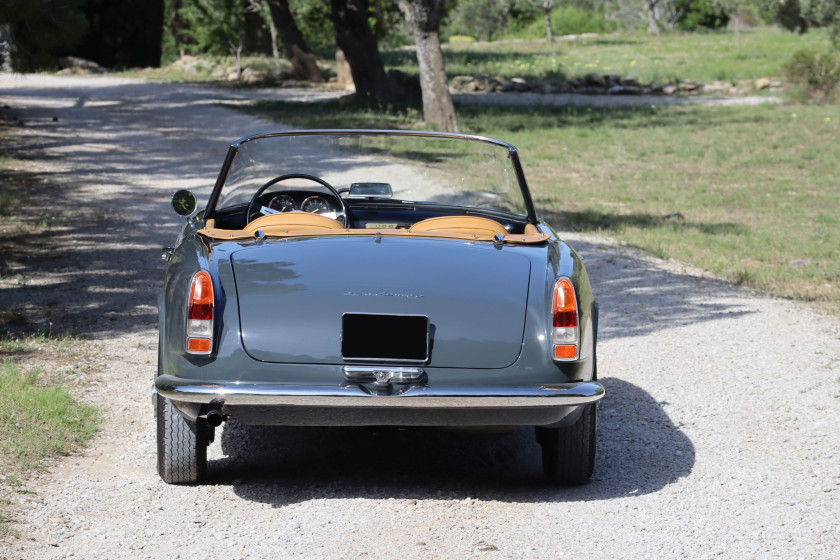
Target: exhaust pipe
x=214 y=418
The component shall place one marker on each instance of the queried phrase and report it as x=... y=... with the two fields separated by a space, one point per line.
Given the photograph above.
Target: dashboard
x=305 y=201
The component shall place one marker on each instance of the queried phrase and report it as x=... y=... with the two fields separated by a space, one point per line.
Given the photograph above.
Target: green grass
x=37 y=421
x=756 y=186
x=666 y=58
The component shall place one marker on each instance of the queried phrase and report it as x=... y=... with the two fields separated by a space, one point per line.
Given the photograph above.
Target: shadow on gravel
x=640 y=451
x=95 y=212
x=637 y=297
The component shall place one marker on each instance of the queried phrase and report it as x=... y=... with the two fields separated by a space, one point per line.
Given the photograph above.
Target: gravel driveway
x=719 y=435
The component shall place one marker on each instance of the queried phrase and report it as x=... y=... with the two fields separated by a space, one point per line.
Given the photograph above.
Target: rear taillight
x=200 y=315
x=564 y=333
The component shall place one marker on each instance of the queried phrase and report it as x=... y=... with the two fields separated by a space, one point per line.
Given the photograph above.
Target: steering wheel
x=341 y=216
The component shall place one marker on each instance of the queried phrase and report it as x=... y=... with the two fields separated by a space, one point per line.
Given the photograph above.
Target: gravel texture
x=719 y=435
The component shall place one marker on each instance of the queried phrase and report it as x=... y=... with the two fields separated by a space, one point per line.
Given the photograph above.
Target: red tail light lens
x=200 y=315
x=564 y=333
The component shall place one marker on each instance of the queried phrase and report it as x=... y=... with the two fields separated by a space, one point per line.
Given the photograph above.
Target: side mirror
x=183 y=202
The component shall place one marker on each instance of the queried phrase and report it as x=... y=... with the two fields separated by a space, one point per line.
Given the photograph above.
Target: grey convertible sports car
x=369 y=277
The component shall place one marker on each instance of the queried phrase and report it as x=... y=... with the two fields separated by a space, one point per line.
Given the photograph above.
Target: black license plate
x=392 y=338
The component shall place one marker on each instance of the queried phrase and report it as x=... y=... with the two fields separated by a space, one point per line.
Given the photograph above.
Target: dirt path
x=720 y=434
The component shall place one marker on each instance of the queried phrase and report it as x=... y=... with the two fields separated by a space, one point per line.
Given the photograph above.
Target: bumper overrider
x=375 y=402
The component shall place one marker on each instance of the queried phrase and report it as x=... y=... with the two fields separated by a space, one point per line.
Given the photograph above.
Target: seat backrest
x=474 y=225
x=292 y=221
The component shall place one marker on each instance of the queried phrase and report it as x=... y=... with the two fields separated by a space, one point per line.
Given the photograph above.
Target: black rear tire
x=568 y=453
x=181 y=445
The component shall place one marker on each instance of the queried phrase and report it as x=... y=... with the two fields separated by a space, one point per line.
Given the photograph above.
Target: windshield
x=460 y=171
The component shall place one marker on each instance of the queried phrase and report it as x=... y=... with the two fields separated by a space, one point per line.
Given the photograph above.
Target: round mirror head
x=183 y=202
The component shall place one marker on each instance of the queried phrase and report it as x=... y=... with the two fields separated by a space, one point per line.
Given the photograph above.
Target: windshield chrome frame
x=531 y=213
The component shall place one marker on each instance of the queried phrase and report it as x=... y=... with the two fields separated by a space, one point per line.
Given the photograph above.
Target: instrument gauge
x=316 y=205
x=282 y=203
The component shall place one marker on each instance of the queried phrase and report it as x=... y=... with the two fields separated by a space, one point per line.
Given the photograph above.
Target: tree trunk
x=177 y=25
x=354 y=37
x=653 y=27
x=297 y=51
x=424 y=18
x=547 y=7
x=262 y=8
x=236 y=51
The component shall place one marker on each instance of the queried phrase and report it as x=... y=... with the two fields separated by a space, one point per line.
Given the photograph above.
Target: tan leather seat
x=292 y=221
x=460 y=224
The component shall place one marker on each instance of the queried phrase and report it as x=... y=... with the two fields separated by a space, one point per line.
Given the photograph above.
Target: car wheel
x=182 y=445
x=568 y=453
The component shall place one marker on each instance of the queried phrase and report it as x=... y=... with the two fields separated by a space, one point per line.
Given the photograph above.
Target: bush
x=483 y=19
x=703 y=13
x=567 y=20
x=818 y=74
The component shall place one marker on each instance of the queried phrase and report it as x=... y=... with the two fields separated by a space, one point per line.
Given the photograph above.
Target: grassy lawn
x=667 y=58
x=756 y=186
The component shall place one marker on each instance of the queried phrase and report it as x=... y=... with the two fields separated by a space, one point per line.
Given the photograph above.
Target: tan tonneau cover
x=532 y=237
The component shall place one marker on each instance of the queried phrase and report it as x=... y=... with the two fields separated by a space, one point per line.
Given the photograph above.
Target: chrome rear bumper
x=249 y=394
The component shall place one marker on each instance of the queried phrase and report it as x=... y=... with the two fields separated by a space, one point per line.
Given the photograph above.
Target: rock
x=688 y=86
x=520 y=84
x=594 y=80
x=342 y=70
x=718 y=87
x=669 y=89
x=624 y=90
x=485 y=84
x=611 y=80
x=505 y=85
x=293 y=83
x=762 y=83
x=76 y=65
x=552 y=87
x=590 y=90
x=250 y=76
x=628 y=82
x=461 y=84
x=191 y=64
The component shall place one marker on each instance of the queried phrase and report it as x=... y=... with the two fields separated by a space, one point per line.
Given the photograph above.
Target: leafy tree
x=216 y=27
x=703 y=14
x=40 y=31
x=482 y=19
x=123 y=34
x=313 y=18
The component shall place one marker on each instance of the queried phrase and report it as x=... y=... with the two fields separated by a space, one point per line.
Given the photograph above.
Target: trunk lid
x=293 y=294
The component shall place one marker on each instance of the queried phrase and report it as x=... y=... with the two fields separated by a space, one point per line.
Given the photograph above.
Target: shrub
x=818 y=73
x=567 y=20
x=483 y=19
x=703 y=13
